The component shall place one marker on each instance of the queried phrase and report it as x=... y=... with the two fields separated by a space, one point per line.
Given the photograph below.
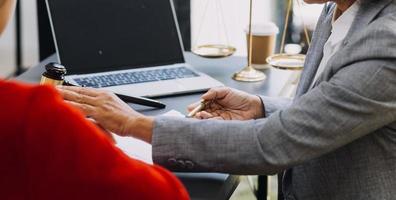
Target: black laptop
x=130 y=47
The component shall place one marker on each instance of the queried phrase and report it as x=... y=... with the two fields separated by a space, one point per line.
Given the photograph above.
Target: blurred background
x=24 y=43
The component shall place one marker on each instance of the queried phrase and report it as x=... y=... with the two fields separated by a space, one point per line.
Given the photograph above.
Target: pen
x=132 y=99
x=197 y=109
x=141 y=101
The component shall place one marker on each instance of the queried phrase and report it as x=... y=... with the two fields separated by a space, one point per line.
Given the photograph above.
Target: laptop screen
x=106 y=35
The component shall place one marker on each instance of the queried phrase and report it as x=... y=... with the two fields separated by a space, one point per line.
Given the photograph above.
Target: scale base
x=249 y=74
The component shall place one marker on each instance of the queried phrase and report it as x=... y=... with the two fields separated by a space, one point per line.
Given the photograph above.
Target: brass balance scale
x=249 y=74
x=213 y=50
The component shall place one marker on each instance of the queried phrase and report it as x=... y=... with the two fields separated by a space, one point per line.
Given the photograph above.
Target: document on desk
x=138 y=149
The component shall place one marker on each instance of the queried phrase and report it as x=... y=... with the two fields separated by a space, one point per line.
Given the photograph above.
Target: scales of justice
x=281 y=60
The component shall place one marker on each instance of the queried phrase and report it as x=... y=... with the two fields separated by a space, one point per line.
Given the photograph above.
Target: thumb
x=193 y=106
x=216 y=93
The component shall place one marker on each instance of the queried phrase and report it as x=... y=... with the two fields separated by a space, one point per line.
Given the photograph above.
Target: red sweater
x=48 y=150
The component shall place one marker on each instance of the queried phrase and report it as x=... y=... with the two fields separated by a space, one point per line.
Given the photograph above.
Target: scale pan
x=214 y=51
x=287 y=61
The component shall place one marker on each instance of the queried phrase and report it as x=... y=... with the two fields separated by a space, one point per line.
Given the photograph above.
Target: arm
x=273 y=104
x=6 y=9
x=58 y=154
x=356 y=101
x=333 y=115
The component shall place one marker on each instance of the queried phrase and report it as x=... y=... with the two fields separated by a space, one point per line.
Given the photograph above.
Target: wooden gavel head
x=54 y=74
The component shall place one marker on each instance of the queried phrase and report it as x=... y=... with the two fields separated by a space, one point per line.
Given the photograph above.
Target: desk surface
x=200 y=185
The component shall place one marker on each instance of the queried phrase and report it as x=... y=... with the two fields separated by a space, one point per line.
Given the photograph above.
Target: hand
x=109 y=111
x=229 y=104
x=105 y=132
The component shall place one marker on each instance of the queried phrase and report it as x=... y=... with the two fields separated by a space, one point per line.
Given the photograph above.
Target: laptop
x=130 y=47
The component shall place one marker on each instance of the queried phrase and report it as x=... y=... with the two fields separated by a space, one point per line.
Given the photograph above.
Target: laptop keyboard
x=126 y=78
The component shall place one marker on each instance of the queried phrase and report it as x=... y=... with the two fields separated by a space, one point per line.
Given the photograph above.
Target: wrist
x=141 y=128
x=259 y=107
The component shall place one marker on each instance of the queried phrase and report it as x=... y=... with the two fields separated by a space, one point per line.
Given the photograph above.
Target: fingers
x=191 y=107
x=216 y=93
x=216 y=118
x=203 y=115
x=78 y=95
x=81 y=90
x=88 y=110
x=207 y=116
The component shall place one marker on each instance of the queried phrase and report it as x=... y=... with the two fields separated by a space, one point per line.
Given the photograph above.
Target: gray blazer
x=336 y=141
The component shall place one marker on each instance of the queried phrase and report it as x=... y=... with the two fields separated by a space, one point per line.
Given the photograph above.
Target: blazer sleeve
x=356 y=101
x=61 y=155
x=273 y=104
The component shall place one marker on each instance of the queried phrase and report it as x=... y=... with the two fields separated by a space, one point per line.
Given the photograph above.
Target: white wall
x=7 y=48
x=29 y=40
x=309 y=13
x=30 y=33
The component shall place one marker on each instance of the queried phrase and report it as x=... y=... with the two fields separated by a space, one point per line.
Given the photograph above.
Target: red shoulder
x=58 y=138
x=15 y=101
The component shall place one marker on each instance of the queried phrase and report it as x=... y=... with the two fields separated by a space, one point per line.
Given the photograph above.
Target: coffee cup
x=263 y=43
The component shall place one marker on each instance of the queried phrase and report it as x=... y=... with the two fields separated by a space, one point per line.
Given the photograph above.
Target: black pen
x=132 y=99
x=141 y=101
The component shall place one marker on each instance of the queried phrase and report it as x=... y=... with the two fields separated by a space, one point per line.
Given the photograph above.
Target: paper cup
x=263 y=43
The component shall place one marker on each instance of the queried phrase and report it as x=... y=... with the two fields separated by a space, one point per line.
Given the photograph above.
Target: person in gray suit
x=335 y=140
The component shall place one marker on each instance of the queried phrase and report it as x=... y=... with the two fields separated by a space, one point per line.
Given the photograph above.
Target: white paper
x=174 y=113
x=135 y=148
x=138 y=149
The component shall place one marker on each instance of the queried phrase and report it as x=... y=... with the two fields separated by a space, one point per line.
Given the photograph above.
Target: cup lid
x=263 y=29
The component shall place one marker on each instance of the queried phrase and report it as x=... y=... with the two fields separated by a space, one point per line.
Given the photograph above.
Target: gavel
x=54 y=74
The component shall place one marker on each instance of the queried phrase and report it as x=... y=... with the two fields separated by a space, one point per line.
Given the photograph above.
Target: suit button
x=181 y=164
x=172 y=162
x=189 y=165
